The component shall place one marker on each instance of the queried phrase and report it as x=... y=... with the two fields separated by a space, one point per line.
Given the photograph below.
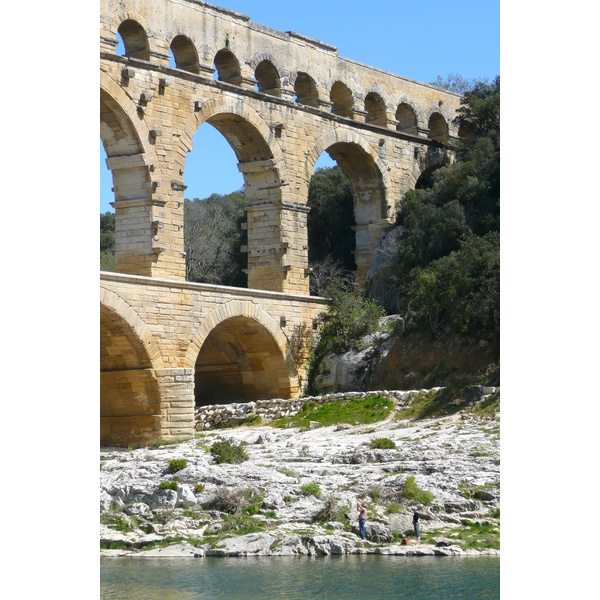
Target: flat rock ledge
x=261 y=544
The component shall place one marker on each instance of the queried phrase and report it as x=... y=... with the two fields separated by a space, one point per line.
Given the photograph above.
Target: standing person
x=362 y=517
x=416 y=525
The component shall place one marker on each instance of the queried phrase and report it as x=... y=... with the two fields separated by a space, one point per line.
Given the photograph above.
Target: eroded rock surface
x=456 y=458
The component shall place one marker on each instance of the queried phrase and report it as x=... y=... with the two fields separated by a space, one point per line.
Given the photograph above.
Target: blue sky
x=419 y=40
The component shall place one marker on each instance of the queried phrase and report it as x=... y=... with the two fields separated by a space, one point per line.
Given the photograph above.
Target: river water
x=348 y=577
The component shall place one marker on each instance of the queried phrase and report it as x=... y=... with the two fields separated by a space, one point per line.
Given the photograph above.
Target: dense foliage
x=348 y=319
x=448 y=267
x=331 y=218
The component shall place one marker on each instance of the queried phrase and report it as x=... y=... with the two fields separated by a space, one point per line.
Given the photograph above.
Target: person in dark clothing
x=416 y=525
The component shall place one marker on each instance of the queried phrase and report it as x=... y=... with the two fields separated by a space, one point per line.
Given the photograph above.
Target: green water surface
x=348 y=577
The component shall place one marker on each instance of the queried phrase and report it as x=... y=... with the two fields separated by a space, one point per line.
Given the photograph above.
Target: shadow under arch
x=240 y=354
x=370 y=181
x=130 y=405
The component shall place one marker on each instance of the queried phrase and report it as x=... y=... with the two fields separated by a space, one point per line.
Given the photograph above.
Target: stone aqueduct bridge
x=280 y=100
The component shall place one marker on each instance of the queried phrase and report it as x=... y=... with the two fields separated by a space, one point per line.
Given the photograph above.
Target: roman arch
x=280 y=99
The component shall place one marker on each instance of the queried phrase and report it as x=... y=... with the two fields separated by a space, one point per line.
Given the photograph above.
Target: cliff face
x=418 y=360
x=409 y=361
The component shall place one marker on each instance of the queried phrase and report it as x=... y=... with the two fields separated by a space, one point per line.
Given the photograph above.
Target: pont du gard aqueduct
x=280 y=99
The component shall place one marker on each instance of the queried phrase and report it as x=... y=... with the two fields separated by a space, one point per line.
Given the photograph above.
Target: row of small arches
x=267 y=79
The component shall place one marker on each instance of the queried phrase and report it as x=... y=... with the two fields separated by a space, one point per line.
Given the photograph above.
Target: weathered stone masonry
x=280 y=100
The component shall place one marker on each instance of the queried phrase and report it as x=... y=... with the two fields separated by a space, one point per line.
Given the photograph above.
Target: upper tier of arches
x=219 y=51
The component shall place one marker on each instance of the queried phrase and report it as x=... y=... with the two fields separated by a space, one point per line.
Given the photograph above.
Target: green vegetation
x=235 y=501
x=449 y=401
x=332 y=511
x=252 y=419
x=370 y=409
x=119 y=521
x=177 y=464
x=411 y=491
x=392 y=508
x=311 y=489
x=348 y=319
x=331 y=218
x=168 y=485
x=382 y=443
x=254 y=502
x=375 y=491
x=287 y=472
x=199 y=488
x=242 y=524
x=448 y=265
x=228 y=452
x=477 y=536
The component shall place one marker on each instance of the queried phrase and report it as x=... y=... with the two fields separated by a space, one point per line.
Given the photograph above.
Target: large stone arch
x=130 y=157
x=130 y=121
x=235 y=308
x=240 y=353
x=370 y=183
x=116 y=304
x=130 y=396
x=217 y=112
x=261 y=162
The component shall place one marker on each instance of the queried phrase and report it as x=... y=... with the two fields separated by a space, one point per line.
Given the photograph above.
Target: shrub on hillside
x=228 y=452
x=411 y=491
x=177 y=464
x=312 y=489
x=382 y=443
x=168 y=485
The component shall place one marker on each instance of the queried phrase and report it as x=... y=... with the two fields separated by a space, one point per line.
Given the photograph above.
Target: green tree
x=331 y=218
x=448 y=265
x=349 y=317
x=460 y=292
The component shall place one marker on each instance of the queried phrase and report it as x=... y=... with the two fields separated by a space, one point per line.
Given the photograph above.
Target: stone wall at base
x=218 y=416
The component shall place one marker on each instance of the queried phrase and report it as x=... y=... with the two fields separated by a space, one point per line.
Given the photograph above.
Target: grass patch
x=227 y=452
x=120 y=522
x=357 y=411
x=287 y=472
x=392 y=508
x=447 y=401
x=242 y=524
x=477 y=536
x=382 y=443
x=488 y=407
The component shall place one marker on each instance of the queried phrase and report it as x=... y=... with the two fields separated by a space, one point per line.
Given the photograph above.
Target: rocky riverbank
x=296 y=493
